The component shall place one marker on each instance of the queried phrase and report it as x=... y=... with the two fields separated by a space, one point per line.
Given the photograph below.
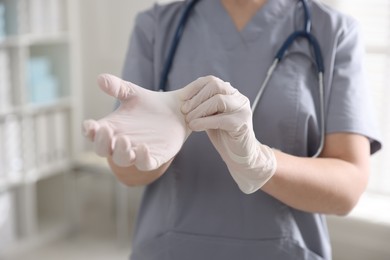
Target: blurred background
x=57 y=199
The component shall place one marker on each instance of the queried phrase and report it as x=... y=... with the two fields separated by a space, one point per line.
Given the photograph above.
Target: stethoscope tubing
x=176 y=39
x=305 y=34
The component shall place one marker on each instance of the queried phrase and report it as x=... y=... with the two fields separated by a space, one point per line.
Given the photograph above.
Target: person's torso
x=196 y=211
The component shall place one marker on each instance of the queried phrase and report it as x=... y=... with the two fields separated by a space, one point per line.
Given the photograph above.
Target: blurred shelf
x=36 y=108
x=56 y=104
x=49 y=170
x=32 y=176
x=47 y=234
x=39 y=61
x=25 y=40
x=10 y=111
x=8 y=182
x=89 y=161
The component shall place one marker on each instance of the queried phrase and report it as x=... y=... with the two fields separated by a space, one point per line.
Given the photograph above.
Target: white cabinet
x=39 y=114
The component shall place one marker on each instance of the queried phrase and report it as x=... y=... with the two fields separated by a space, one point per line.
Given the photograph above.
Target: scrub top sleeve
x=349 y=108
x=138 y=65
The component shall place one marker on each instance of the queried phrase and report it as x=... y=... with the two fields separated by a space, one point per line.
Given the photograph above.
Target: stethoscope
x=304 y=33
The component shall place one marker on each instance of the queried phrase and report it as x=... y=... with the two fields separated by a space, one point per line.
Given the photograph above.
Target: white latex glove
x=147 y=129
x=215 y=106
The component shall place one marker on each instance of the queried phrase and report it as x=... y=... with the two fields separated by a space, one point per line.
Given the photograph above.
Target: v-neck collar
x=222 y=24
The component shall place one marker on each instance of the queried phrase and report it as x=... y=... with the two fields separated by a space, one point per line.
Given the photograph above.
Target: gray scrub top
x=195 y=210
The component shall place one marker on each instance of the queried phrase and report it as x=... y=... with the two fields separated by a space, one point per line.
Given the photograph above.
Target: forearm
x=323 y=185
x=131 y=176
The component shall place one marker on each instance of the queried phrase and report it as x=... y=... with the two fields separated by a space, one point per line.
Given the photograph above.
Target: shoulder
x=159 y=13
x=328 y=19
x=156 y=20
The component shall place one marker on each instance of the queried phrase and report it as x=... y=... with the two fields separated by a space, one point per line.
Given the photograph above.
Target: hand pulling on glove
x=215 y=106
x=147 y=130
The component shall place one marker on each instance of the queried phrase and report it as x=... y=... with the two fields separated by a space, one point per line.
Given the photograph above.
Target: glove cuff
x=251 y=176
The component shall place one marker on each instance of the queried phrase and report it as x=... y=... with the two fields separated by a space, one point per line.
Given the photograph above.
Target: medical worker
x=223 y=182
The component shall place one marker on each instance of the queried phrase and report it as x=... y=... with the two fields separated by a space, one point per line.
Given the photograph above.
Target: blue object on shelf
x=2 y=21
x=43 y=86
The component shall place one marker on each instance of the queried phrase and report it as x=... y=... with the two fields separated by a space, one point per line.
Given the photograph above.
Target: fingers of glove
x=218 y=104
x=144 y=161
x=123 y=154
x=235 y=123
x=205 y=123
x=116 y=87
x=89 y=129
x=193 y=88
x=214 y=86
x=218 y=121
x=103 y=141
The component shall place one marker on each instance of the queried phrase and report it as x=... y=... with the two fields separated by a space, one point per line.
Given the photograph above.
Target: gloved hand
x=147 y=129
x=215 y=106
